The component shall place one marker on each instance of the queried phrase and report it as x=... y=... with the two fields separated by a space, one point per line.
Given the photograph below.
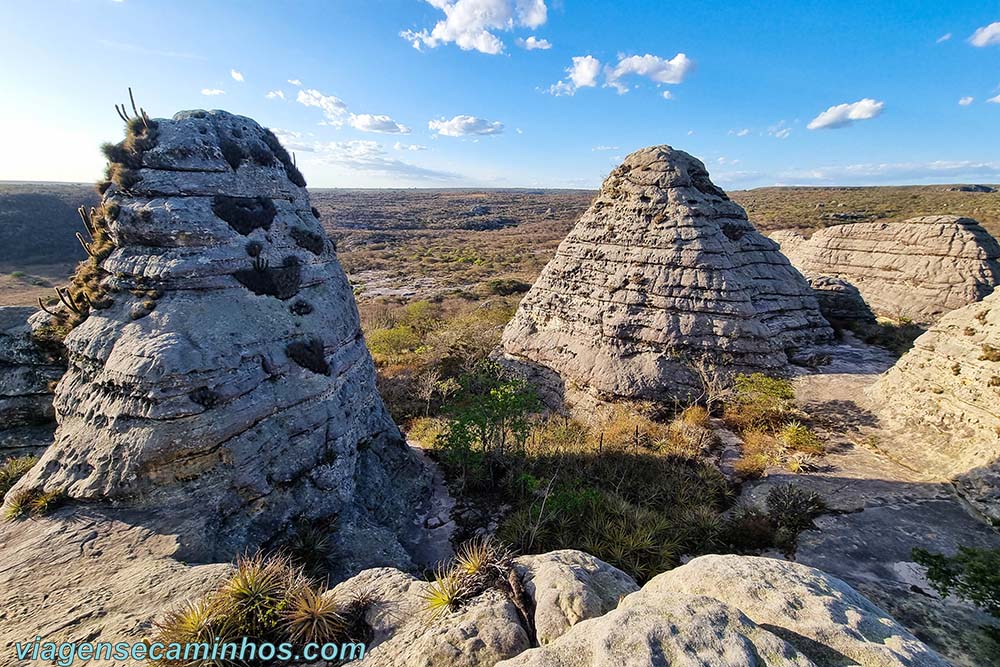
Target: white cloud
x=690 y=133
x=471 y=24
x=292 y=140
x=604 y=148
x=237 y=76
x=382 y=124
x=582 y=73
x=739 y=133
x=780 y=130
x=369 y=157
x=667 y=95
x=408 y=147
x=532 y=43
x=519 y=130
x=843 y=115
x=655 y=68
x=275 y=94
x=966 y=101
x=295 y=82
x=987 y=35
x=724 y=161
x=211 y=92
x=333 y=107
x=994 y=100
x=944 y=38
x=461 y=126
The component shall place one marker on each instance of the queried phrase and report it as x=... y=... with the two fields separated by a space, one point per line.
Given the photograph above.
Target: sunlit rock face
x=663 y=272
x=223 y=376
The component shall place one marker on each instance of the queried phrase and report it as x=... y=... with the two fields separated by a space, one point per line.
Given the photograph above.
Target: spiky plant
x=309 y=547
x=313 y=617
x=200 y=621
x=798 y=437
x=448 y=590
x=19 y=504
x=14 y=469
x=259 y=591
x=43 y=503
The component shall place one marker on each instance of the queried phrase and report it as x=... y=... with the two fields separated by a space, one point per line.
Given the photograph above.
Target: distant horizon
x=568 y=189
x=430 y=94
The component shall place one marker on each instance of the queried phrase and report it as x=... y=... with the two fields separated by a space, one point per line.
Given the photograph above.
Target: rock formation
x=28 y=370
x=715 y=610
x=217 y=371
x=921 y=268
x=943 y=399
x=661 y=272
x=840 y=301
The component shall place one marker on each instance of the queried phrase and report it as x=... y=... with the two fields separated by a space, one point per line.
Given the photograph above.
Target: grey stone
x=568 y=587
x=200 y=389
x=921 y=268
x=840 y=301
x=822 y=616
x=941 y=403
x=662 y=271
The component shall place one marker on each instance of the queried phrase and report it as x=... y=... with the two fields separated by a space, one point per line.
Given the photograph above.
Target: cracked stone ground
x=880 y=510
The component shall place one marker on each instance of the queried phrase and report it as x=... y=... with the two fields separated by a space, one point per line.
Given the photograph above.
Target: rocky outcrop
x=739 y=611
x=820 y=615
x=565 y=588
x=716 y=610
x=942 y=399
x=28 y=371
x=840 y=301
x=221 y=379
x=662 y=272
x=921 y=268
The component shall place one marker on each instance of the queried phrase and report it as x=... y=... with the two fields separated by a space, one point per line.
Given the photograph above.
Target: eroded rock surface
x=662 y=271
x=942 y=401
x=921 y=268
x=840 y=302
x=27 y=372
x=738 y=611
x=222 y=370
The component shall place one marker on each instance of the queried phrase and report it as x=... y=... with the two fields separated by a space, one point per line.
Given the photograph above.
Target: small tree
x=972 y=574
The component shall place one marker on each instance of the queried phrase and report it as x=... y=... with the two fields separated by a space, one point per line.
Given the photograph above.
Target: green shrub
x=798 y=437
x=972 y=574
x=14 y=469
x=507 y=286
x=393 y=344
x=759 y=402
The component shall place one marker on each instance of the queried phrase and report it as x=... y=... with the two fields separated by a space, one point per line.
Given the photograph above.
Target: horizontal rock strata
x=663 y=270
x=921 y=268
x=942 y=400
x=222 y=370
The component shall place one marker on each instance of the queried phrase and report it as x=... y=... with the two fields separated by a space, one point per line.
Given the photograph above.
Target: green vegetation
x=762 y=411
x=789 y=511
x=14 y=469
x=267 y=599
x=895 y=335
x=34 y=502
x=972 y=574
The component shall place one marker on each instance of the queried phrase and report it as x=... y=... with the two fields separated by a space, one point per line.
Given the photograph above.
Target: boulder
x=818 y=614
x=673 y=630
x=219 y=370
x=921 y=268
x=941 y=401
x=28 y=370
x=569 y=586
x=662 y=273
x=840 y=302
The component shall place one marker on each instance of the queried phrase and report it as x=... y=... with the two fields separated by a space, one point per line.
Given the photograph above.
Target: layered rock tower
x=661 y=274
x=943 y=399
x=920 y=268
x=217 y=369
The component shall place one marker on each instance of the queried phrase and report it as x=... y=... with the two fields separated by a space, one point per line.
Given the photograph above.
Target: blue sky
x=447 y=93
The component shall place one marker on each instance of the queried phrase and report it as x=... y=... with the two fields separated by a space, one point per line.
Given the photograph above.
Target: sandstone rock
x=223 y=373
x=674 y=630
x=820 y=615
x=942 y=400
x=570 y=586
x=406 y=634
x=27 y=371
x=920 y=268
x=840 y=301
x=662 y=271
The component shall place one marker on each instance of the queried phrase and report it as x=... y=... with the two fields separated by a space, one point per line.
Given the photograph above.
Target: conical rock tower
x=217 y=369
x=662 y=276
